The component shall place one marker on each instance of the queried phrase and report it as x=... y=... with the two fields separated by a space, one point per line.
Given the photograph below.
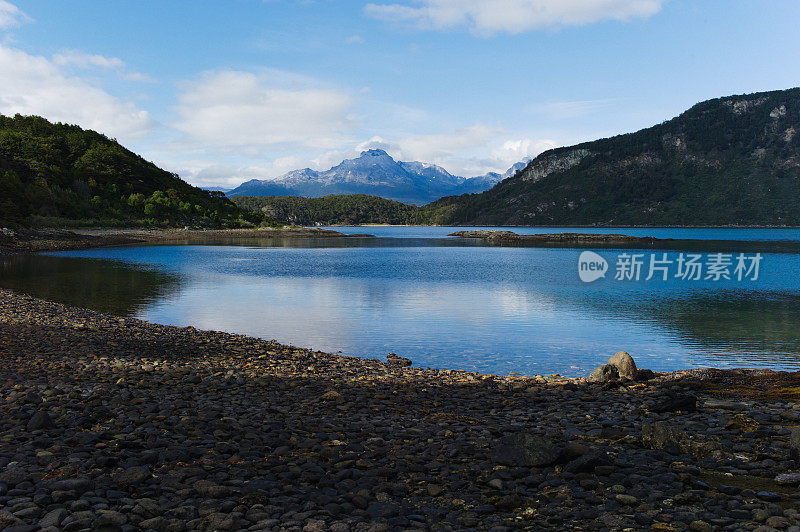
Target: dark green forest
x=61 y=175
x=354 y=209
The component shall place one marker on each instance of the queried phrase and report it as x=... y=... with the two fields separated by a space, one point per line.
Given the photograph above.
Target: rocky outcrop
x=575 y=238
x=545 y=165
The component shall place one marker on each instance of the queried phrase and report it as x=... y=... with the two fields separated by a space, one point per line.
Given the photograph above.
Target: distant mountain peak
x=373 y=172
x=375 y=152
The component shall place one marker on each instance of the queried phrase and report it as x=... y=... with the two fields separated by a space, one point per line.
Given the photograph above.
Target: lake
x=456 y=303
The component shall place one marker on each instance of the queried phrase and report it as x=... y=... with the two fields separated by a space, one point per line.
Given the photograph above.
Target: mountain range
x=727 y=161
x=376 y=173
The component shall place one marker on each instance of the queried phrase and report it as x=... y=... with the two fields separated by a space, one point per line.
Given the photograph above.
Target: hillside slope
x=59 y=174
x=732 y=160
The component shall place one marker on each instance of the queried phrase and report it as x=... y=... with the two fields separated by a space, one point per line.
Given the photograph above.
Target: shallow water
x=446 y=302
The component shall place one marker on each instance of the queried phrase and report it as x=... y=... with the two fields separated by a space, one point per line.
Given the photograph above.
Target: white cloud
x=513 y=151
x=11 y=15
x=82 y=60
x=233 y=109
x=438 y=148
x=138 y=77
x=354 y=39
x=489 y=17
x=35 y=85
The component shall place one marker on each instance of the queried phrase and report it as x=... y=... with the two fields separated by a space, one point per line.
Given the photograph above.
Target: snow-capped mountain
x=374 y=172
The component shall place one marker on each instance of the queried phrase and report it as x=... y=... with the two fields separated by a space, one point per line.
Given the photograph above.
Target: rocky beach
x=111 y=423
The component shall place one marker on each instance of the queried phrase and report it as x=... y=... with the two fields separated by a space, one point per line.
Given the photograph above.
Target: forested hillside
x=355 y=209
x=733 y=160
x=59 y=174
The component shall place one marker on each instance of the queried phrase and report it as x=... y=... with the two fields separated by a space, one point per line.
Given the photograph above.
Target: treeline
x=59 y=174
x=355 y=209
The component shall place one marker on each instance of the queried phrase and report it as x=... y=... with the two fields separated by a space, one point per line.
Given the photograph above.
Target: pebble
x=168 y=428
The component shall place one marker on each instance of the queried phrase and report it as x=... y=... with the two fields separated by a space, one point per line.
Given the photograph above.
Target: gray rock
x=53 y=518
x=587 y=462
x=526 y=450
x=21 y=528
x=132 y=475
x=604 y=373
x=40 y=420
x=788 y=478
x=219 y=521
x=383 y=509
x=624 y=364
x=673 y=440
x=208 y=489
x=663 y=437
x=110 y=517
x=685 y=402
x=394 y=360
x=78 y=485
x=154 y=523
x=12 y=477
x=794 y=441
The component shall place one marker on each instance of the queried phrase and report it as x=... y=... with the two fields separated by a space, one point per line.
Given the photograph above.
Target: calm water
x=445 y=302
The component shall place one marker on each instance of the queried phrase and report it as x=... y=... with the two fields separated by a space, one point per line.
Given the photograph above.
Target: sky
x=222 y=91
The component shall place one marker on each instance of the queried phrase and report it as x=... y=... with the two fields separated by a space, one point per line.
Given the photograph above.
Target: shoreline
x=33 y=240
x=27 y=240
x=116 y=422
x=731 y=226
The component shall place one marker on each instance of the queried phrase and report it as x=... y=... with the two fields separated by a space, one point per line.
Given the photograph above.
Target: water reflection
x=443 y=302
x=106 y=286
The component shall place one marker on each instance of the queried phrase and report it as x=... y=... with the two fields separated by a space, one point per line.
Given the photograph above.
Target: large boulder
x=604 y=373
x=624 y=364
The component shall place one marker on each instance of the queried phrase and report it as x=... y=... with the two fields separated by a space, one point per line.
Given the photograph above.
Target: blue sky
x=227 y=90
